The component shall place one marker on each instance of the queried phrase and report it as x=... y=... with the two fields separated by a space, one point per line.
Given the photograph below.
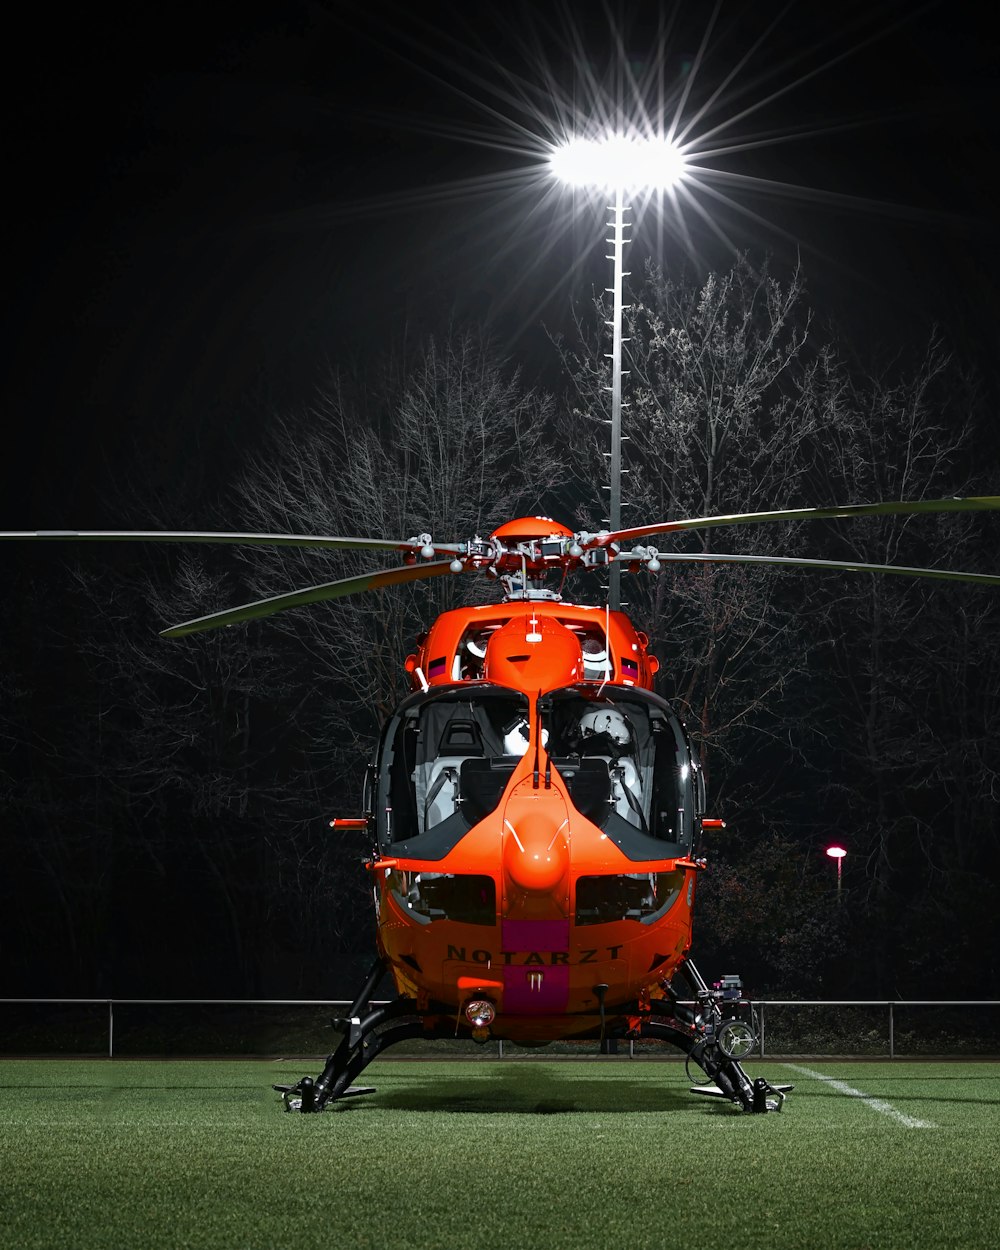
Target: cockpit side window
x=397 y=811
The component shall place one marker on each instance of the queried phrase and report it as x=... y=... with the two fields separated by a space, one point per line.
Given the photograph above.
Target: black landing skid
x=708 y=1027
x=359 y=1044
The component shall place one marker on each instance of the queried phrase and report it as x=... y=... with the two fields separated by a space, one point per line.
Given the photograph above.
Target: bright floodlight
x=836 y=852
x=619 y=161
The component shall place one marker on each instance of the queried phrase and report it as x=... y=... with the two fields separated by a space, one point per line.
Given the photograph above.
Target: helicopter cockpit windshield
x=445 y=760
x=628 y=766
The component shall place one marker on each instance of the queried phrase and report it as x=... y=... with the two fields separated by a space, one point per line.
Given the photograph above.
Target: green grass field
x=519 y=1153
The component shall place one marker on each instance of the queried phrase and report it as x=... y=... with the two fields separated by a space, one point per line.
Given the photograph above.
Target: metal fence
x=783 y=1026
x=955 y=1007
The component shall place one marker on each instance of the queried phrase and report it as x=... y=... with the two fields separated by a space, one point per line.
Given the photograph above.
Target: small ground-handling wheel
x=736 y=1040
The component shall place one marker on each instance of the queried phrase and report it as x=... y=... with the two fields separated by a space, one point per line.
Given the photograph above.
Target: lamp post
x=837 y=853
x=618 y=162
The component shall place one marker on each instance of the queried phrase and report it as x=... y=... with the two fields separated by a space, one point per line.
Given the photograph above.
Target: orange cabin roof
x=533 y=646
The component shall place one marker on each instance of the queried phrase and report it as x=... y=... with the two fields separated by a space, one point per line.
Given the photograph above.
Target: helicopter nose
x=536 y=853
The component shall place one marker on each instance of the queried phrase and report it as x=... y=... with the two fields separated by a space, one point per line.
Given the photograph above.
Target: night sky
x=203 y=210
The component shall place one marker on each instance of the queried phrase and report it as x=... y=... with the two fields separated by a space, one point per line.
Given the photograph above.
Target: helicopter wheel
x=736 y=1040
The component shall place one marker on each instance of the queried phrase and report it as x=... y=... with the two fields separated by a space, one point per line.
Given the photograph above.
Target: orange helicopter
x=535 y=810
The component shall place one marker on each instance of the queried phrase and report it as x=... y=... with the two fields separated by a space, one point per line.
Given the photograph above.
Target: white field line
x=876 y=1104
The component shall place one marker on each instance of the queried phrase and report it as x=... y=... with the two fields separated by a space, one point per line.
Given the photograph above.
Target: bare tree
x=223 y=755
x=913 y=667
x=727 y=398
x=838 y=705
x=452 y=445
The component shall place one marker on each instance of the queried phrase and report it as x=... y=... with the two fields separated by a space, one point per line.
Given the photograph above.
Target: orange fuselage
x=535 y=815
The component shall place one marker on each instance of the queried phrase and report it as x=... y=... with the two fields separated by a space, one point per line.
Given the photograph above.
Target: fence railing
x=764 y=1010
x=891 y=1006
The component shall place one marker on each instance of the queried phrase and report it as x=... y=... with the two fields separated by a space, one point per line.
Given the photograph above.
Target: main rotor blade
x=848 y=566
x=901 y=507
x=323 y=541
x=312 y=594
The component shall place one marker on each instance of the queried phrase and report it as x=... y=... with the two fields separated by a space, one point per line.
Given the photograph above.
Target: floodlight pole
x=618 y=160
x=615 y=510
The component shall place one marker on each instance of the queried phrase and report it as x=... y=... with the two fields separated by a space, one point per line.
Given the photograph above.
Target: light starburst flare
x=619 y=160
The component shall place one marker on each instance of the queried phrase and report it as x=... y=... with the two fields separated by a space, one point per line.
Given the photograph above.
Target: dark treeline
x=166 y=803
